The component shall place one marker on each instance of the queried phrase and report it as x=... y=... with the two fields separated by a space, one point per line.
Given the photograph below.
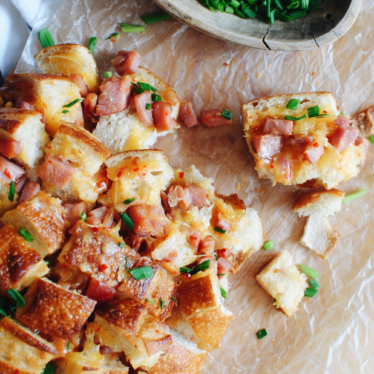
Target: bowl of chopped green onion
x=286 y=25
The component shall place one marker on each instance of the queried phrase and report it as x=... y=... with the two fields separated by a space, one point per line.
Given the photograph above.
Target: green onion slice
x=218 y=229
x=127 y=262
x=126 y=28
x=201 y=267
x=69 y=345
x=146 y=87
x=128 y=201
x=162 y=303
x=310 y=292
x=72 y=103
x=138 y=90
x=47 y=262
x=12 y=191
x=309 y=272
x=141 y=273
x=121 y=245
x=354 y=195
x=92 y=44
x=156 y=97
x=65 y=111
x=45 y=38
x=290 y=118
x=261 y=334
x=313 y=111
x=127 y=221
x=221 y=275
x=185 y=270
x=114 y=35
x=226 y=114
x=174 y=299
x=268 y=245
x=148 y=106
x=313 y=283
x=156 y=17
x=108 y=74
x=49 y=369
x=26 y=235
x=150 y=301
x=293 y=104
x=371 y=139
x=2 y=313
x=83 y=216
x=17 y=297
x=223 y=293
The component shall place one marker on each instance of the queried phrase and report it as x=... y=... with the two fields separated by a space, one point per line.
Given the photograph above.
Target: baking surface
x=334 y=332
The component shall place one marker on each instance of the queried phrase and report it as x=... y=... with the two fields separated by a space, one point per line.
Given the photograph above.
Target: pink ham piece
x=99 y=291
x=162 y=116
x=366 y=145
x=145 y=115
x=278 y=127
x=78 y=80
x=213 y=118
x=222 y=223
x=266 y=146
x=342 y=121
x=182 y=195
x=56 y=172
x=301 y=140
x=96 y=216
x=10 y=172
x=192 y=236
x=344 y=137
x=313 y=152
x=206 y=245
x=29 y=191
x=286 y=165
x=142 y=223
x=20 y=104
x=223 y=266
x=10 y=148
x=188 y=115
x=74 y=212
x=198 y=194
x=89 y=106
x=115 y=94
x=20 y=184
x=126 y=62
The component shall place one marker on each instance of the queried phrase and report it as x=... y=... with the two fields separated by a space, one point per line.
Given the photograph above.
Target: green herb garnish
x=309 y=272
x=92 y=44
x=293 y=104
x=45 y=38
x=12 y=191
x=294 y=118
x=310 y=292
x=141 y=273
x=156 y=17
x=126 y=28
x=354 y=195
x=261 y=334
x=72 y=103
x=108 y=74
x=162 y=303
x=83 y=216
x=268 y=245
x=226 y=114
x=223 y=293
x=218 y=229
x=17 y=297
x=26 y=235
x=128 y=201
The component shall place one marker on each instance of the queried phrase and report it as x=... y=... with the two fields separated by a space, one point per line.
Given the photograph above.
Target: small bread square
x=54 y=310
x=22 y=351
x=44 y=218
x=284 y=282
x=20 y=264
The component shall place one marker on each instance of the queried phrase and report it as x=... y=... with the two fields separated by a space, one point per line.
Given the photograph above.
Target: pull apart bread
x=310 y=145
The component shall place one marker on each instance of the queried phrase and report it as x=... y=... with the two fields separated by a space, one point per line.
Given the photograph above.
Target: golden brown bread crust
x=54 y=310
x=17 y=258
x=313 y=197
x=233 y=200
x=11 y=118
x=237 y=260
x=115 y=160
x=85 y=137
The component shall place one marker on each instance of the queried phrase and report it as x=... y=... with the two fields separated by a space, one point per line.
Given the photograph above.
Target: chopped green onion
x=121 y=245
x=83 y=216
x=354 y=195
x=313 y=111
x=72 y=103
x=261 y=334
x=49 y=369
x=218 y=229
x=249 y=13
x=26 y=235
x=131 y=28
x=7 y=306
x=92 y=44
x=229 y=9
x=108 y=74
x=371 y=139
x=156 y=97
x=127 y=262
x=310 y=292
x=290 y=118
x=2 y=313
x=156 y=17
x=148 y=106
x=65 y=111
x=17 y=297
x=114 y=35
x=201 y=267
x=174 y=299
x=272 y=16
x=342 y=113
x=221 y=275
x=279 y=5
x=223 y=293
x=323 y=115
x=162 y=303
x=146 y=87
x=138 y=90
x=309 y=272
x=141 y=273
x=45 y=38
x=127 y=221
x=12 y=191
x=275 y=300
x=313 y=283
x=69 y=345
x=150 y=301
x=215 y=255
x=268 y=245
x=47 y=262
x=293 y=104
x=128 y=201
x=185 y=270
x=226 y=114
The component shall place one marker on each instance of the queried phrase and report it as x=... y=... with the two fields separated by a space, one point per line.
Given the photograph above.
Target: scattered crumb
x=273 y=341
x=269 y=66
x=302 y=75
x=202 y=87
x=258 y=75
x=312 y=73
x=238 y=186
x=247 y=76
x=260 y=189
x=225 y=64
x=307 y=300
x=318 y=83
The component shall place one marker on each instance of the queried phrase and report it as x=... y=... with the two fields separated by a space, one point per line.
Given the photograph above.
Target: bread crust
x=310 y=198
x=11 y=119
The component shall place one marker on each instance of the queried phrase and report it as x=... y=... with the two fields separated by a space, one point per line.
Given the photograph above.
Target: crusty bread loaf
x=86 y=153
x=142 y=173
x=48 y=93
x=70 y=59
x=44 y=218
x=25 y=126
x=332 y=167
x=20 y=264
x=22 y=351
x=283 y=282
x=124 y=131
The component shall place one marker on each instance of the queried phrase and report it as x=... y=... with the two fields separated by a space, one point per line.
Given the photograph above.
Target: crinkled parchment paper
x=334 y=332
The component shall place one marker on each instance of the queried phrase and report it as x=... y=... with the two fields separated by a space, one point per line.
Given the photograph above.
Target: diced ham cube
x=225 y=253
x=56 y=172
x=278 y=127
x=188 y=115
x=222 y=223
x=313 y=152
x=20 y=184
x=198 y=194
x=78 y=80
x=20 y=104
x=93 y=221
x=266 y=146
x=115 y=94
x=213 y=118
x=99 y=213
x=206 y=245
x=9 y=171
x=99 y=291
x=74 y=212
x=162 y=116
x=342 y=121
x=285 y=162
x=29 y=191
x=89 y=106
x=10 y=148
x=145 y=115
x=126 y=62
x=223 y=266
x=192 y=236
x=300 y=140
x=142 y=223
x=180 y=194
x=344 y=137
x=134 y=241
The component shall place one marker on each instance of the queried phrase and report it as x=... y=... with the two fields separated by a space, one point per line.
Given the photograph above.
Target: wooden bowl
x=325 y=25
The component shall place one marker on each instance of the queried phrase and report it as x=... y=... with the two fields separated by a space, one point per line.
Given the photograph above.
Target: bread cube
x=22 y=351
x=283 y=282
x=125 y=131
x=44 y=218
x=126 y=326
x=5 y=203
x=25 y=127
x=70 y=59
x=54 y=310
x=48 y=94
x=20 y=264
x=86 y=154
x=137 y=173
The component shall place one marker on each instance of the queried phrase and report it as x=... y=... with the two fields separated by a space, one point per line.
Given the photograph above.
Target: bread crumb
x=225 y=64
x=238 y=186
x=247 y=76
x=312 y=73
x=8 y=105
x=201 y=87
x=317 y=83
x=258 y=75
x=269 y=66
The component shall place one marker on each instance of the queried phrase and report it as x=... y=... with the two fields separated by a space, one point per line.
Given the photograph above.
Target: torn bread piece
x=24 y=130
x=318 y=234
x=44 y=218
x=125 y=326
x=316 y=151
x=53 y=310
x=48 y=94
x=125 y=131
x=69 y=60
x=71 y=168
x=282 y=280
x=5 y=204
x=22 y=351
x=20 y=264
x=364 y=121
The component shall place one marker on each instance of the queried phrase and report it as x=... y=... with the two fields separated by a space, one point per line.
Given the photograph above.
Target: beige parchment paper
x=334 y=332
